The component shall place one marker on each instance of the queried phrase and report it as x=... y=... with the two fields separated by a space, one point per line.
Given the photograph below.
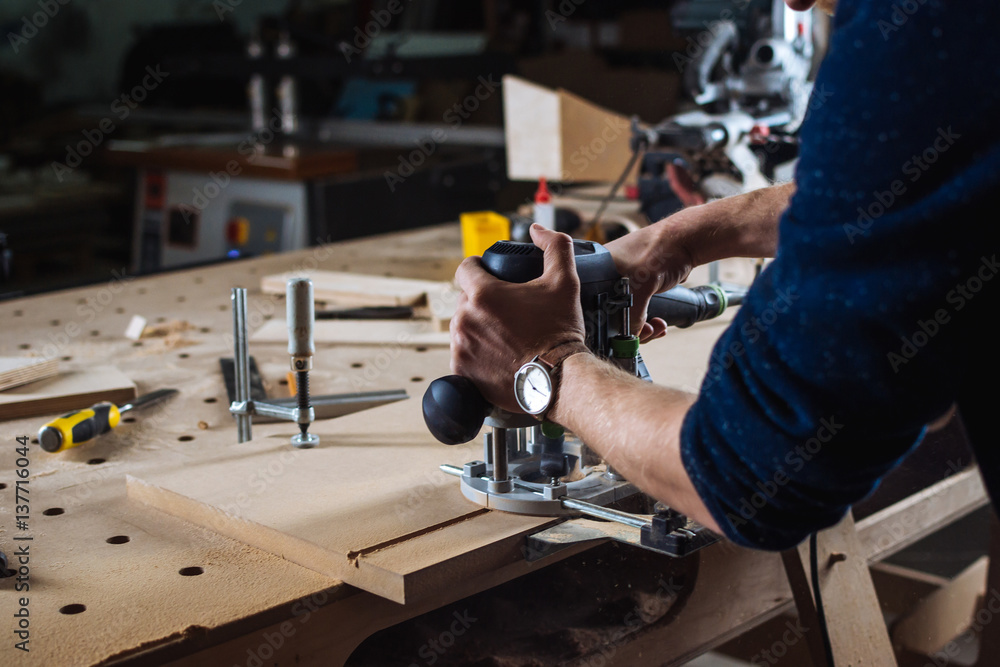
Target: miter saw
x=747 y=69
x=539 y=469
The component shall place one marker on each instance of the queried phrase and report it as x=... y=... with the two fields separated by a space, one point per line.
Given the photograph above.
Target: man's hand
x=499 y=326
x=653 y=262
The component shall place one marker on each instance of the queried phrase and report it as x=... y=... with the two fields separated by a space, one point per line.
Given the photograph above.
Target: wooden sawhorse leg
x=857 y=631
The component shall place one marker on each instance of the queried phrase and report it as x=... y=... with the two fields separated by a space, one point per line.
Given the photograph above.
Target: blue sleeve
x=852 y=339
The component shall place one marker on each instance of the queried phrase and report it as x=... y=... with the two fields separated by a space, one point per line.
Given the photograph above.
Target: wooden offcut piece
x=403 y=333
x=430 y=299
x=368 y=506
x=67 y=391
x=356 y=289
x=555 y=134
x=15 y=371
x=945 y=614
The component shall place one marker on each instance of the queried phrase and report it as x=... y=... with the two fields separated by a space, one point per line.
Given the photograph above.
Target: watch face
x=533 y=388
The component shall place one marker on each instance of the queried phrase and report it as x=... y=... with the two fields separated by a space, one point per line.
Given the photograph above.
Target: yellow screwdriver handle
x=78 y=427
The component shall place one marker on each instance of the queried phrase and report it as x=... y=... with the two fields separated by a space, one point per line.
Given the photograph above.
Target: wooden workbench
x=175 y=591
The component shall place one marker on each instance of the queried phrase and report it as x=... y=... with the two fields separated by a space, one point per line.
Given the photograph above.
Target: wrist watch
x=535 y=383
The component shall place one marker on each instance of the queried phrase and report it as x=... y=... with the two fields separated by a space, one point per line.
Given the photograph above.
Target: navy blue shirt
x=879 y=310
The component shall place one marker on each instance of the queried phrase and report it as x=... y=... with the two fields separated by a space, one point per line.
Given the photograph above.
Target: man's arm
x=634 y=426
x=661 y=255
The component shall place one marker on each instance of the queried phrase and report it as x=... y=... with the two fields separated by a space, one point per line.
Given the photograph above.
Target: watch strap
x=553 y=359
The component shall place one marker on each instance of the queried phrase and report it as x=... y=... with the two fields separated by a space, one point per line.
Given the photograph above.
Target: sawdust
x=166 y=329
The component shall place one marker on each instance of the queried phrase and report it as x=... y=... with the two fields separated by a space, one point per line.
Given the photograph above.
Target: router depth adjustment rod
x=301 y=347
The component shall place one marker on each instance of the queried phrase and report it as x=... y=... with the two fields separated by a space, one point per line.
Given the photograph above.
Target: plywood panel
x=405 y=333
x=367 y=506
x=67 y=391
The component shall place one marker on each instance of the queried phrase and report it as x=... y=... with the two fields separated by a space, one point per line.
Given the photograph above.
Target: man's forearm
x=635 y=426
x=741 y=226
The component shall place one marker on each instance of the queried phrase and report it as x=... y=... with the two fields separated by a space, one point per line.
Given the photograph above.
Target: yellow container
x=481 y=229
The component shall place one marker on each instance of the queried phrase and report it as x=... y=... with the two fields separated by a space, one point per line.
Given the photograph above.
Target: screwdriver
x=81 y=426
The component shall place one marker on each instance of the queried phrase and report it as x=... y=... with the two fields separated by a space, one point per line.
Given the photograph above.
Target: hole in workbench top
x=160 y=320
x=357 y=364
x=18 y=313
x=137 y=343
x=54 y=323
x=223 y=307
x=34 y=441
x=205 y=330
x=25 y=346
x=186 y=438
x=95 y=333
x=118 y=539
x=268 y=316
x=183 y=355
x=120 y=310
x=198 y=280
x=141 y=290
x=128 y=420
x=73 y=609
x=67 y=358
x=2 y=486
x=190 y=571
x=416 y=378
x=96 y=462
x=181 y=299
x=420 y=349
x=211 y=399
x=81 y=301
x=283 y=381
x=54 y=511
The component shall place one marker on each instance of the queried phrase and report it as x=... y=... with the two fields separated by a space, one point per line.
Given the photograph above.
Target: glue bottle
x=545 y=211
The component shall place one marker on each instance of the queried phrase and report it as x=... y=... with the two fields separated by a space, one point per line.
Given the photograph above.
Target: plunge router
x=537 y=468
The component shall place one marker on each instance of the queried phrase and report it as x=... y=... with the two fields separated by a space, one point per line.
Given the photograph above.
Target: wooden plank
x=855 y=627
x=945 y=614
x=989 y=639
x=15 y=371
x=896 y=527
x=900 y=588
x=357 y=289
x=67 y=391
x=404 y=333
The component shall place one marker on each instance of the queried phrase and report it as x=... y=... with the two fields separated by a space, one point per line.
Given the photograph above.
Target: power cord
x=818 y=597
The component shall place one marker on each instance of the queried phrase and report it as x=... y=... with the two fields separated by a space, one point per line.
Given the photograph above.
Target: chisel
x=81 y=426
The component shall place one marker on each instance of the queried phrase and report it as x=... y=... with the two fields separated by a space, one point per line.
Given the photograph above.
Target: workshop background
x=113 y=113
x=140 y=138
